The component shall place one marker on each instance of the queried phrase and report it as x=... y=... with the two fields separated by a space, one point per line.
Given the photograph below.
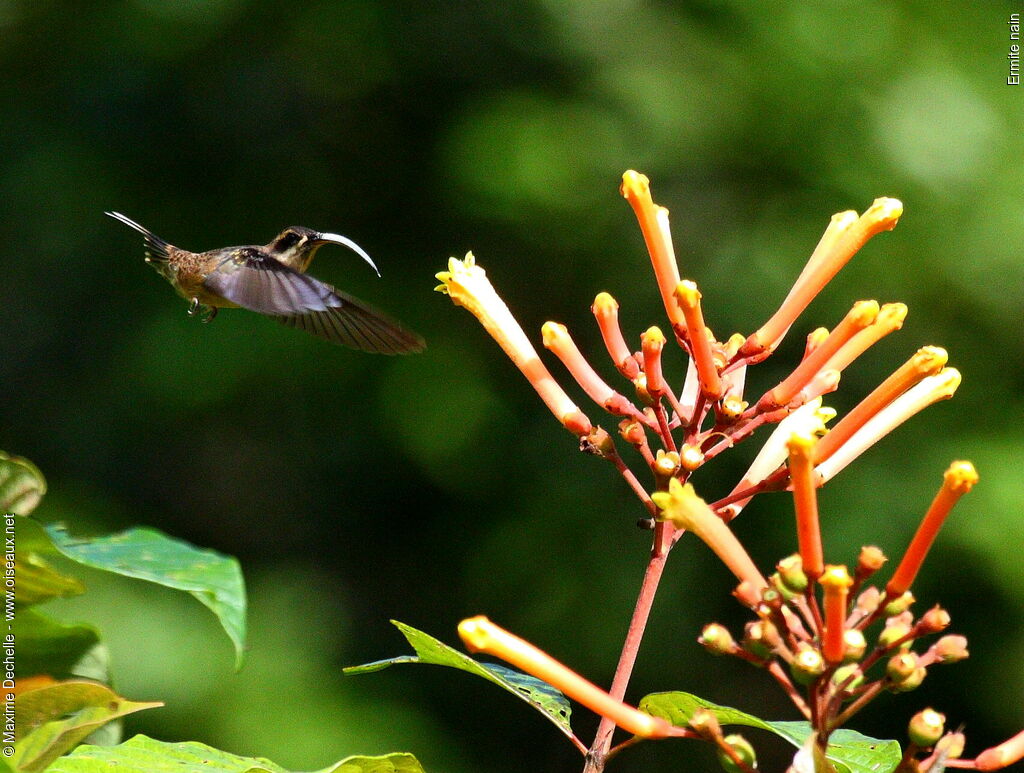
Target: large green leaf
x=144 y=755
x=21 y=485
x=147 y=554
x=848 y=750
x=61 y=651
x=36 y=581
x=52 y=720
x=542 y=696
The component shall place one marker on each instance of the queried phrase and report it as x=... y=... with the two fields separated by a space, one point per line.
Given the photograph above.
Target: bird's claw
x=195 y=307
x=210 y=314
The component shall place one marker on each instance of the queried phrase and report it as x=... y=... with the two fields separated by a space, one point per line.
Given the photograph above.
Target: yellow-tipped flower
x=636 y=189
x=481 y=635
x=889 y=320
x=686 y=510
x=688 y=296
x=835 y=585
x=651 y=343
x=929 y=390
x=606 y=311
x=957 y=481
x=468 y=286
x=846 y=233
x=805 y=498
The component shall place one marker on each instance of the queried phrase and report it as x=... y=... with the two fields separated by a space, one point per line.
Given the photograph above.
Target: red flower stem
x=634 y=484
x=598 y=754
x=666 y=433
x=863 y=700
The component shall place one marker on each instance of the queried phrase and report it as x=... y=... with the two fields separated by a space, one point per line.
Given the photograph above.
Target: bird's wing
x=353 y=323
x=256 y=281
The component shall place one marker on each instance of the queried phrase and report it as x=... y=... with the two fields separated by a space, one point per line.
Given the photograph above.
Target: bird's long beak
x=346 y=242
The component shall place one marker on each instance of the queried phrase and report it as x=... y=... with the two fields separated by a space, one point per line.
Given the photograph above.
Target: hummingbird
x=271 y=280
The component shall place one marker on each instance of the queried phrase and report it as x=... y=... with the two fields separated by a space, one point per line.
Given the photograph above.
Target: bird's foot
x=193 y=307
x=210 y=314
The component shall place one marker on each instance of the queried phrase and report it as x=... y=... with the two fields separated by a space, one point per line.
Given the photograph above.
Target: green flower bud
x=807 y=665
x=912 y=682
x=892 y=634
x=791 y=573
x=717 y=640
x=855 y=645
x=843 y=673
x=901 y=667
x=899 y=604
x=754 y=640
x=926 y=728
x=743 y=749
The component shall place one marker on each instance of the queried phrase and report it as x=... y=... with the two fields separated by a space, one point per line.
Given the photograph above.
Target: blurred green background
x=359 y=488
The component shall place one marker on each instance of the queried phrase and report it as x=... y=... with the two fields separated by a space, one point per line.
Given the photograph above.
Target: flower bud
x=843 y=673
x=743 y=750
x=934 y=620
x=951 y=746
x=926 y=728
x=807 y=665
x=869 y=561
x=894 y=631
x=717 y=640
x=899 y=604
x=691 y=457
x=666 y=464
x=854 y=645
x=791 y=572
x=950 y=649
x=705 y=723
x=912 y=682
x=867 y=601
x=900 y=667
x=754 y=640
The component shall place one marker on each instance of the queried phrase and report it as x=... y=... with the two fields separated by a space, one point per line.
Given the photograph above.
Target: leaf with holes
x=542 y=696
x=147 y=554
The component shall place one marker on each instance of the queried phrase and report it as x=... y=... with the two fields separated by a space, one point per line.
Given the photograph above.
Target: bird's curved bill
x=346 y=242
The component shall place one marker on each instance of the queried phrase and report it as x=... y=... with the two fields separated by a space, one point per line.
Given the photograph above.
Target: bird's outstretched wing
x=256 y=281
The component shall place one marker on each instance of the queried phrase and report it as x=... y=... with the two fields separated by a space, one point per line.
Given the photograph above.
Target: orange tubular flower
x=651 y=344
x=889 y=320
x=636 y=189
x=805 y=498
x=957 y=481
x=688 y=296
x=557 y=340
x=1006 y=753
x=846 y=233
x=468 y=286
x=927 y=361
x=481 y=635
x=859 y=317
x=835 y=584
x=606 y=311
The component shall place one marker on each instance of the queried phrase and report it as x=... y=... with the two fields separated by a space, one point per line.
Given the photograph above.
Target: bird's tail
x=156 y=248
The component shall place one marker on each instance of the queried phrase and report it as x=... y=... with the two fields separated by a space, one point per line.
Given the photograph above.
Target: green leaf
x=54 y=719
x=848 y=750
x=36 y=581
x=144 y=755
x=147 y=554
x=48 y=647
x=21 y=485
x=542 y=696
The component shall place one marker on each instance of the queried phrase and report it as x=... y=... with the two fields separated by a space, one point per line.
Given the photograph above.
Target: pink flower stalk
x=805 y=498
x=468 y=286
x=688 y=297
x=927 y=361
x=1006 y=753
x=557 y=340
x=481 y=635
x=835 y=585
x=636 y=189
x=606 y=311
x=927 y=391
x=957 y=481
x=845 y=235
x=859 y=317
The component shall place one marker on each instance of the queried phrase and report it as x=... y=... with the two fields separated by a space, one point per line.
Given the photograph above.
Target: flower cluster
x=812 y=619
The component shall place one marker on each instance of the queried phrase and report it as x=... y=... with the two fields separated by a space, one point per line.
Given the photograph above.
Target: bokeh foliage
x=355 y=489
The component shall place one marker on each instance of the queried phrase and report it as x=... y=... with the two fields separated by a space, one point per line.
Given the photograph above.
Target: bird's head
x=296 y=244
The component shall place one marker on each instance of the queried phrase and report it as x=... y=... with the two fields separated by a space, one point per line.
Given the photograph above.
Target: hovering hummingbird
x=272 y=280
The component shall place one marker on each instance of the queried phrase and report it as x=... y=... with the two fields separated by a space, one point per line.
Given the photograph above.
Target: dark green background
x=357 y=488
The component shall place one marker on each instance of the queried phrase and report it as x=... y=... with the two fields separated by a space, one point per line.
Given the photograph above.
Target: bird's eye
x=287 y=241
